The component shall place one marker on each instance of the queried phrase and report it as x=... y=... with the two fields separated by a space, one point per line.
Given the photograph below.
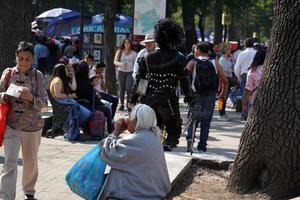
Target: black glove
x=188 y=99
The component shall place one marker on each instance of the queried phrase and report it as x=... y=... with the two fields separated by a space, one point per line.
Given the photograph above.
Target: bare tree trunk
x=218 y=28
x=110 y=45
x=188 y=13
x=201 y=25
x=269 y=156
x=15 y=26
x=232 y=31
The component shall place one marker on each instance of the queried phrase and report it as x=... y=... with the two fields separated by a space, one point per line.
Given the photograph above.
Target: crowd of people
x=153 y=81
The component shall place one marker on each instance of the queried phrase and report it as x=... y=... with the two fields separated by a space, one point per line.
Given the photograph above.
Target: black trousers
x=111 y=99
x=166 y=108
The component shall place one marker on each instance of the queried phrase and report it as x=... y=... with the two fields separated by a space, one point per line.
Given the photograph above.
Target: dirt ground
x=203 y=183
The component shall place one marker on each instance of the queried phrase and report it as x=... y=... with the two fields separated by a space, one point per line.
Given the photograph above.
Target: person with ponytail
x=253 y=80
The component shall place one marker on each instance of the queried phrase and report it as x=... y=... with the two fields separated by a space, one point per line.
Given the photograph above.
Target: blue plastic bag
x=86 y=177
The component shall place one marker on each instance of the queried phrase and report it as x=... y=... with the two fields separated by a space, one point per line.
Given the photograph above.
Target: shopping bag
x=4 y=108
x=86 y=177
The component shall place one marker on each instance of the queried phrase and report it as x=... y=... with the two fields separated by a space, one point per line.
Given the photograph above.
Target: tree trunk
x=218 y=28
x=268 y=158
x=188 y=12
x=201 y=26
x=15 y=26
x=232 y=31
x=110 y=45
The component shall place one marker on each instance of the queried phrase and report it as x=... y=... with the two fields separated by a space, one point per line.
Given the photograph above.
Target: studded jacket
x=164 y=70
x=24 y=115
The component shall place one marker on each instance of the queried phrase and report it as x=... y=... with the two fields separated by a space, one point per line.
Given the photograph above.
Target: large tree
x=15 y=26
x=269 y=155
x=110 y=44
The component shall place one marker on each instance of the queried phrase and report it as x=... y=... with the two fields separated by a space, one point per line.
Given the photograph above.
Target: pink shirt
x=253 y=80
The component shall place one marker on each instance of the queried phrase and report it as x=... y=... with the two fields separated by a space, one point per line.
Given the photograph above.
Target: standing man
x=149 y=43
x=243 y=62
x=206 y=74
x=40 y=54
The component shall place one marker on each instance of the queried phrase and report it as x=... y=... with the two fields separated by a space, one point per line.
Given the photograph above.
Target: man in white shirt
x=149 y=43
x=243 y=62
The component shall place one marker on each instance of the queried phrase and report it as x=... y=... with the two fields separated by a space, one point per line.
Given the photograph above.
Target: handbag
x=86 y=177
x=143 y=83
x=4 y=108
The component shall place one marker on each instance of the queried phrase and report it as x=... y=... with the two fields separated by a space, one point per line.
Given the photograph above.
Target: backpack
x=97 y=125
x=206 y=80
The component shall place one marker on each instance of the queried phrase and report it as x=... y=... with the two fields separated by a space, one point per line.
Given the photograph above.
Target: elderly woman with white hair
x=137 y=161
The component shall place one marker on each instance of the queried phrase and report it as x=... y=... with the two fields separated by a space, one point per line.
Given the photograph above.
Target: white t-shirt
x=129 y=59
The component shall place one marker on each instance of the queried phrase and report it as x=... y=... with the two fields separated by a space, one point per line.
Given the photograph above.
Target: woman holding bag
x=23 y=122
x=136 y=159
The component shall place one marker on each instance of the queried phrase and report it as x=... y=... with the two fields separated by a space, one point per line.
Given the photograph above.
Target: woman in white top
x=124 y=60
x=226 y=61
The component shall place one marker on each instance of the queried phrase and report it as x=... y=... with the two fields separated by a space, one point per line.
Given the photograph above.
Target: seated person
x=59 y=86
x=100 y=86
x=70 y=70
x=86 y=94
x=60 y=89
x=136 y=159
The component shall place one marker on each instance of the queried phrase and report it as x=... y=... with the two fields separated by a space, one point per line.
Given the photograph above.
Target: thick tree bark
x=110 y=45
x=218 y=28
x=188 y=13
x=15 y=26
x=269 y=155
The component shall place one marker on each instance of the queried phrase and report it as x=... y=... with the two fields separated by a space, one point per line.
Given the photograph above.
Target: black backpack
x=206 y=80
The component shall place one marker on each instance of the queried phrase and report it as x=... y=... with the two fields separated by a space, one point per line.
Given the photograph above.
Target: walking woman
x=124 y=60
x=23 y=123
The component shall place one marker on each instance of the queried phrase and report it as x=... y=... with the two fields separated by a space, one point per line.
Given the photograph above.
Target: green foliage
x=249 y=15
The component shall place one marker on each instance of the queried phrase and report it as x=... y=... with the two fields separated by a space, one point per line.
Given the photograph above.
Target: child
x=97 y=78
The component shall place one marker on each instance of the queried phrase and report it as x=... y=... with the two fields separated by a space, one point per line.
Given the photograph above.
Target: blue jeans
x=208 y=104
x=243 y=82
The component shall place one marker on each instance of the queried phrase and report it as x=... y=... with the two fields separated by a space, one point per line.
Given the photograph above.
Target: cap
x=148 y=38
x=92 y=74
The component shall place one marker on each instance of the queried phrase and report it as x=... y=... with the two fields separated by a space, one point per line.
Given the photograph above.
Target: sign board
x=146 y=15
x=99 y=28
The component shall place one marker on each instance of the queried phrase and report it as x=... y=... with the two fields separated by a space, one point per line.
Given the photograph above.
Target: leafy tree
x=268 y=157
x=14 y=28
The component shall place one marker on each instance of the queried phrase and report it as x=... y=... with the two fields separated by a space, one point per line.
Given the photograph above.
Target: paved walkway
x=56 y=157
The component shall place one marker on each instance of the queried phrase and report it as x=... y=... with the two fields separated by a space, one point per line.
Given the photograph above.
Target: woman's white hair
x=145 y=116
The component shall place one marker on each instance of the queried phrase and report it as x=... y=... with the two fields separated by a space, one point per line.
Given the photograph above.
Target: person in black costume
x=166 y=68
